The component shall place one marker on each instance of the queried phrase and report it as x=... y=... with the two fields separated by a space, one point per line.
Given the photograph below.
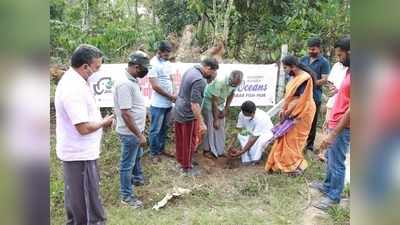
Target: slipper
x=208 y=154
x=167 y=154
x=296 y=173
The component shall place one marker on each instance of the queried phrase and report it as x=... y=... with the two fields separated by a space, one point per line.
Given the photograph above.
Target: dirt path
x=312 y=215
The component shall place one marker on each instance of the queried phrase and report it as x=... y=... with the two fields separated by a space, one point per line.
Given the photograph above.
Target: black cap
x=139 y=58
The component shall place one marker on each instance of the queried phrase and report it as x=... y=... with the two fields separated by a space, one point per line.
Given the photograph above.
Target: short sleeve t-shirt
x=257 y=126
x=336 y=76
x=342 y=102
x=75 y=104
x=219 y=88
x=319 y=66
x=191 y=90
x=162 y=70
x=128 y=95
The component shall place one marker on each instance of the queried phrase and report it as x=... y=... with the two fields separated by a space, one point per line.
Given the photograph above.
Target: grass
x=340 y=215
x=240 y=196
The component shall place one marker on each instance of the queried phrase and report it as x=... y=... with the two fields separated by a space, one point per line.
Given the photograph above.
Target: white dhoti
x=256 y=151
x=214 y=140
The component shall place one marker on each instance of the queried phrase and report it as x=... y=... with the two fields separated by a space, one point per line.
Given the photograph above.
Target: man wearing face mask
x=189 y=123
x=320 y=65
x=254 y=131
x=130 y=111
x=79 y=131
x=217 y=99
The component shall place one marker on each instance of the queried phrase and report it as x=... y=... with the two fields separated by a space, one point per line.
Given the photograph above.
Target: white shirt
x=259 y=125
x=75 y=104
x=161 y=69
x=336 y=76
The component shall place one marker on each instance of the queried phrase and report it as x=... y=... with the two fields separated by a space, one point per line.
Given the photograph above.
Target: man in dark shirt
x=320 y=65
x=189 y=124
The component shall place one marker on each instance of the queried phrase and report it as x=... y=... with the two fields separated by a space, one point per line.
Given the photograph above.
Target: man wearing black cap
x=320 y=65
x=130 y=111
x=160 y=77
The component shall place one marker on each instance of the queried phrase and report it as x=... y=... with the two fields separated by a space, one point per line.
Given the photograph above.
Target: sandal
x=208 y=154
x=296 y=173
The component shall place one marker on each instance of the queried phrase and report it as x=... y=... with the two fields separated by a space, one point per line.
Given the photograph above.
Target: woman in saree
x=287 y=154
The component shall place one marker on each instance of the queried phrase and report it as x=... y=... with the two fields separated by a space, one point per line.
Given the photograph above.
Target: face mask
x=347 y=61
x=143 y=72
x=230 y=82
x=206 y=76
x=248 y=118
x=90 y=71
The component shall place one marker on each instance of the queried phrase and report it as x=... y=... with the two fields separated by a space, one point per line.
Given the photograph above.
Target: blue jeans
x=158 y=129
x=130 y=165
x=336 y=169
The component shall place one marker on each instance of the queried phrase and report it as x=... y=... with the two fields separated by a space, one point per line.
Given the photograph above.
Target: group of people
x=198 y=109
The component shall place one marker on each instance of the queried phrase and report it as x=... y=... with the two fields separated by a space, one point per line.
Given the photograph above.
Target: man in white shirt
x=255 y=131
x=160 y=77
x=335 y=78
x=79 y=130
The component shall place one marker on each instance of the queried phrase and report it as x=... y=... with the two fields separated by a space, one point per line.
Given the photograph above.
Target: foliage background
x=252 y=31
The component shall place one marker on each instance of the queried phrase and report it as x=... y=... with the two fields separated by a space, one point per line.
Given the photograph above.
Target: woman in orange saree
x=287 y=152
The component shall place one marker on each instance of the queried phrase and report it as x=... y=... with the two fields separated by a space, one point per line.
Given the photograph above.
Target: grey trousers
x=81 y=193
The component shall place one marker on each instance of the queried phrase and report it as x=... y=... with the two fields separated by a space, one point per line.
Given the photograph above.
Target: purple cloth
x=282 y=128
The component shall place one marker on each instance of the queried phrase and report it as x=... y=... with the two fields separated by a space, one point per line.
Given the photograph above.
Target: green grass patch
x=244 y=195
x=340 y=215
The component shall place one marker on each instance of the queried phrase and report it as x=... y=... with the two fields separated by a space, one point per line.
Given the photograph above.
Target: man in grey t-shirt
x=130 y=110
x=189 y=124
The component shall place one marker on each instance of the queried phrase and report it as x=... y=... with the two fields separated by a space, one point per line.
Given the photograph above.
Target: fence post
x=281 y=74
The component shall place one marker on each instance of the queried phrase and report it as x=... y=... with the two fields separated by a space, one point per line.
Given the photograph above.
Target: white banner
x=259 y=83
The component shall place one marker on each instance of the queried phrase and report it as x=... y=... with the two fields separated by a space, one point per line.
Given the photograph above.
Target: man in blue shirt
x=320 y=65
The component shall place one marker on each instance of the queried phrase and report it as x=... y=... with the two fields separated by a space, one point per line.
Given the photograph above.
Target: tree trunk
x=201 y=28
x=215 y=16
x=153 y=13
x=226 y=21
x=239 y=37
x=86 y=16
x=136 y=14
x=129 y=8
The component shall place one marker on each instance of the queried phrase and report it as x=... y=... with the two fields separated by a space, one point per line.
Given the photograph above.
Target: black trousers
x=81 y=193
x=313 y=131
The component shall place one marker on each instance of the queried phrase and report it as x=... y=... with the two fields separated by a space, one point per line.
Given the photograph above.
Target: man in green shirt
x=218 y=96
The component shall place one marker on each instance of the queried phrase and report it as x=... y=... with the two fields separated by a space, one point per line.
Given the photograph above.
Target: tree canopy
x=252 y=31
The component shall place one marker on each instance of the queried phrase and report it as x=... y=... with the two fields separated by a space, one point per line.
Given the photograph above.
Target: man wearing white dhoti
x=255 y=132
